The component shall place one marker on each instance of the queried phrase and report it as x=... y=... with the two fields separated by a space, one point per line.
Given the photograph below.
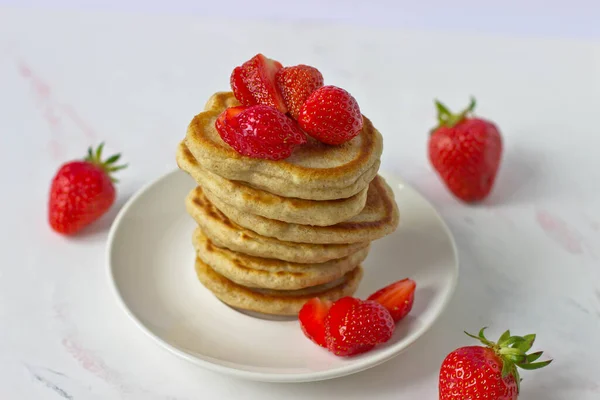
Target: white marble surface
x=529 y=255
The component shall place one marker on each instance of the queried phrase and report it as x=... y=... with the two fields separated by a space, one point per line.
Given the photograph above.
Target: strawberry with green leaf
x=466 y=152
x=488 y=372
x=82 y=191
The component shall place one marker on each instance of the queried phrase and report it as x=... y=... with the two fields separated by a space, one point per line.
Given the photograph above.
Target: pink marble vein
x=52 y=111
x=47 y=107
x=558 y=230
x=81 y=124
x=90 y=361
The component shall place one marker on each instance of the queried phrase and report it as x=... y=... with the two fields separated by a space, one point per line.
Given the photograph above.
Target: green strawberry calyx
x=448 y=119
x=512 y=350
x=108 y=165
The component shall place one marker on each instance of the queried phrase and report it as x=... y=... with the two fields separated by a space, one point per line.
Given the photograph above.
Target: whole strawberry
x=488 y=372
x=466 y=152
x=82 y=191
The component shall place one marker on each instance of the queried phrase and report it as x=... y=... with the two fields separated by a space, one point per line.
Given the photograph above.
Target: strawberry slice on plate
x=397 y=297
x=254 y=83
x=312 y=319
x=355 y=326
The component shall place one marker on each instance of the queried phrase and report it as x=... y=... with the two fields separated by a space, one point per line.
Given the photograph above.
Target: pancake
x=314 y=171
x=225 y=233
x=255 y=201
x=268 y=273
x=273 y=302
x=378 y=218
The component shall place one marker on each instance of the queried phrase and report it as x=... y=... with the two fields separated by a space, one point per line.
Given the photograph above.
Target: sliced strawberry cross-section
x=254 y=82
x=312 y=319
x=296 y=84
x=397 y=297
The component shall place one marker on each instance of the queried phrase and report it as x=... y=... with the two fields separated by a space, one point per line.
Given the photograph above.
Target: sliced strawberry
x=296 y=84
x=256 y=77
x=354 y=326
x=331 y=115
x=227 y=123
x=240 y=90
x=398 y=297
x=259 y=131
x=312 y=319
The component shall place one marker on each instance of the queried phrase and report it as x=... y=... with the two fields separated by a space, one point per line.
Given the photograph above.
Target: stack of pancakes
x=272 y=234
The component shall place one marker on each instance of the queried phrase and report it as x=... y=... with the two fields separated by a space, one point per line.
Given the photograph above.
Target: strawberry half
x=240 y=90
x=331 y=115
x=296 y=84
x=354 y=326
x=227 y=124
x=259 y=131
x=312 y=319
x=398 y=298
x=254 y=83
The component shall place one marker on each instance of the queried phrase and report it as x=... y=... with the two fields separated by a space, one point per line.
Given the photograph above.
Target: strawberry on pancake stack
x=288 y=195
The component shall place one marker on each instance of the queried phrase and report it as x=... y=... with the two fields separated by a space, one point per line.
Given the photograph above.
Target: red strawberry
x=466 y=153
x=312 y=319
x=240 y=90
x=254 y=83
x=354 y=326
x=227 y=124
x=331 y=115
x=490 y=372
x=81 y=192
x=296 y=84
x=398 y=298
x=259 y=131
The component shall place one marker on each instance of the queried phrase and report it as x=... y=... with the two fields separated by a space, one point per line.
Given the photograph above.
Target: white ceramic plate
x=151 y=267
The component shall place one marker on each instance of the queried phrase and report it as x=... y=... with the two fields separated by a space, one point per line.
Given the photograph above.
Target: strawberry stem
x=512 y=350
x=449 y=120
x=95 y=157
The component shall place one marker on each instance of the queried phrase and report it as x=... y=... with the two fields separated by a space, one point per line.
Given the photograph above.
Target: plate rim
x=375 y=359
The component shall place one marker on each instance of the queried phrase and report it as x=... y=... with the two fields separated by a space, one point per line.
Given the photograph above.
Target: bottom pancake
x=274 y=302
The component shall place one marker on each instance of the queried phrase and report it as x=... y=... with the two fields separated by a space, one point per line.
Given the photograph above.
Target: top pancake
x=315 y=171
x=248 y=199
